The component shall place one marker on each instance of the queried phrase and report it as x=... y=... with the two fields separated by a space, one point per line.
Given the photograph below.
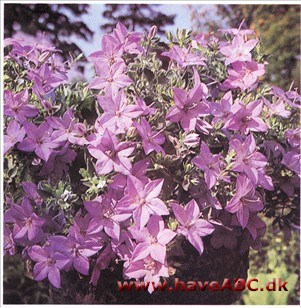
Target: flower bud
x=191 y=140
x=152 y=32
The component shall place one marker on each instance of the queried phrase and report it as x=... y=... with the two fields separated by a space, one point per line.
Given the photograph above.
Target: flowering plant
x=169 y=142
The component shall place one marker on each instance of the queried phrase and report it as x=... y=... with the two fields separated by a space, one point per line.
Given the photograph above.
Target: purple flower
x=57 y=163
x=110 y=78
x=142 y=200
x=31 y=191
x=104 y=217
x=95 y=138
x=199 y=40
x=291 y=98
x=255 y=226
x=273 y=150
x=277 y=108
x=209 y=164
x=245 y=200
x=38 y=140
x=222 y=111
x=288 y=185
x=293 y=137
x=110 y=51
x=48 y=264
x=188 y=107
x=183 y=57
x=152 y=32
x=292 y=161
x=82 y=232
x=129 y=42
x=152 y=240
x=16 y=106
x=27 y=226
x=112 y=155
x=118 y=114
x=191 y=225
x=147 y=110
x=149 y=269
x=238 y=50
x=66 y=129
x=9 y=245
x=191 y=140
x=247 y=158
x=76 y=253
x=20 y=50
x=119 y=181
x=45 y=80
x=246 y=118
x=102 y=262
x=243 y=75
x=203 y=126
x=151 y=139
x=223 y=237
x=14 y=134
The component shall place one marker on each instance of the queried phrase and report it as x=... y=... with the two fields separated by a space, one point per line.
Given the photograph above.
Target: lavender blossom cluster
x=167 y=140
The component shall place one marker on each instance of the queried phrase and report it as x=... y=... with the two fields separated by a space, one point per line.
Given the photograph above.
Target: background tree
x=58 y=21
x=136 y=17
x=277 y=25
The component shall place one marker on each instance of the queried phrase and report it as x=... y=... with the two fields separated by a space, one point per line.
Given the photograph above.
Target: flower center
x=50 y=262
x=154 y=240
x=246 y=119
x=75 y=252
x=110 y=154
x=28 y=222
x=151 y=265
x=142 y=202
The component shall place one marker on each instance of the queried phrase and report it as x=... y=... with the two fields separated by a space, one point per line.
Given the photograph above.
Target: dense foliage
x=163 y=144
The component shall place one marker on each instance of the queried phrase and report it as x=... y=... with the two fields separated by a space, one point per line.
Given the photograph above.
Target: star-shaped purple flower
x=246 y=118
x=209 y=163
x=38 y=140
x=110 y=51
x=111 y=78
x=128 y=42
x=66 y=128
x=49 y=264
x=189 y=106
x=191 y=225
x=14 y=134
x=151 y=139
x=238 y=50
x=148 y=269
x=27 y=224
x=243 y=75
x=247 y=159
x=183 y=57
x=142 y=200
x=245 y=200
x=118 y=114
x=152 y=240
x=16 y=106
x=112 y=155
